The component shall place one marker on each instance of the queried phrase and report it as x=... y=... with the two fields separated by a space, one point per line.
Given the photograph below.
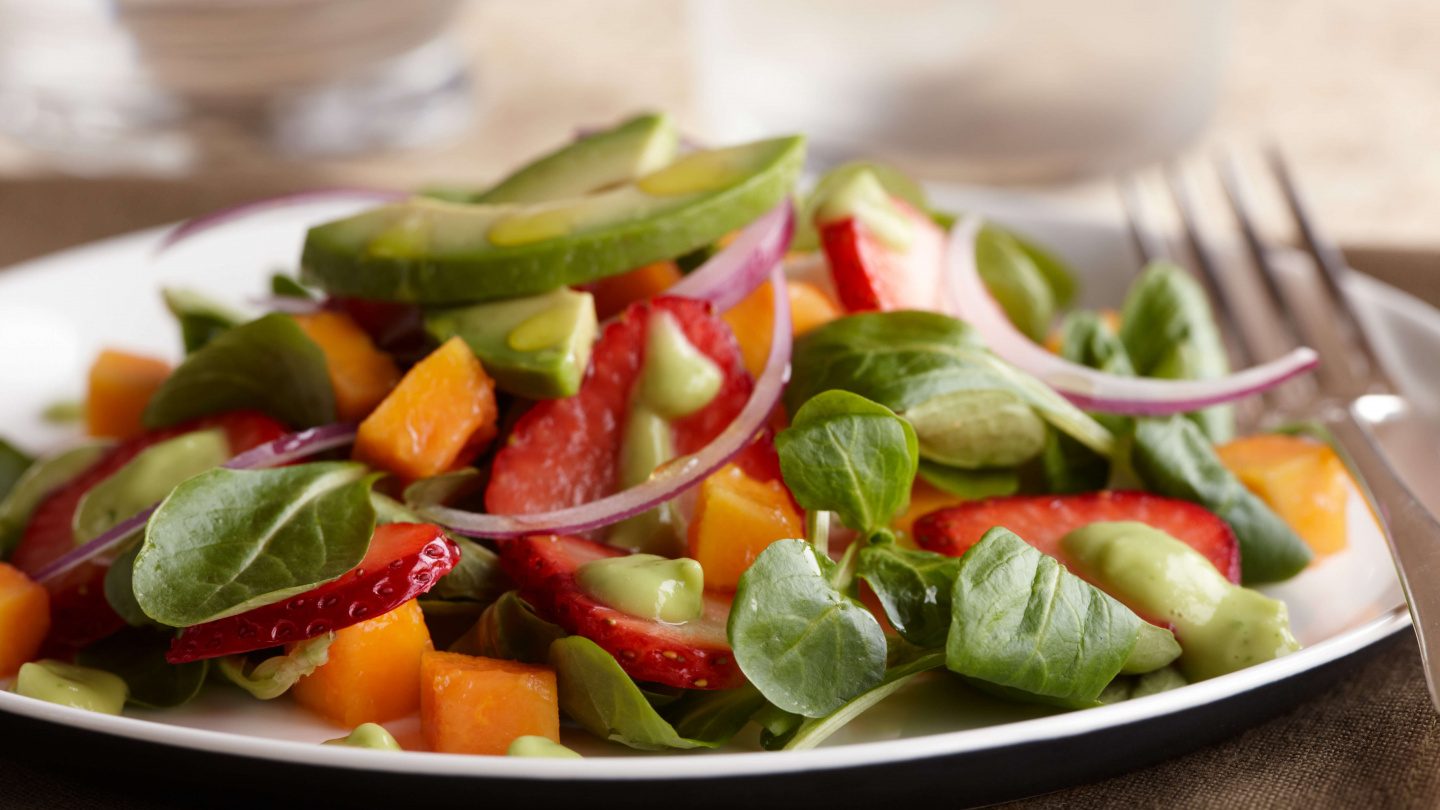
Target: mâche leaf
x=275 y=675
x=137 y=655
x=1173 y=457
x=120 y=592
x=510 y=629
x=146 y=479
x=13 y=464
x=1015 y=282
x=267 y=365
x=227 y=540
x=201 y=318
x=714 y=716
x=914 y=588
x=596 y=693
x=814 y=731
x=1023 y=623
x=845 y=454
x=969 y=484
x=805 y=645
x=39 y=480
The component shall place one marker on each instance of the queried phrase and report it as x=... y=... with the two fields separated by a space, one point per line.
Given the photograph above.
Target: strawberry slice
x=872 y=275
x=693 y=655
x=1042 y=520
x=404 y=560
x=79 y=614
x=565 y=452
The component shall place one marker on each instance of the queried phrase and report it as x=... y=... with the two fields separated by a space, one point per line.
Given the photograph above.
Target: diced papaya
x=442 y=413
x=121 y=385
x=360 y=373
x=373 y=674
x=615 y=293
x=1301 y=478
x=474 y=705
x=24 y=619
x=924 y=499
x=751 y=318
x=736 y=518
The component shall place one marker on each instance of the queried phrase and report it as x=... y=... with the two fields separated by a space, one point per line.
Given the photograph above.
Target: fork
x=1354 y=398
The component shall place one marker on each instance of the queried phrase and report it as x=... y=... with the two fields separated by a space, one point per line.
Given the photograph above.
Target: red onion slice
x=215 y=219
x=1090 y=389
x=670 y=480
x=287 y=448
x=733 y=273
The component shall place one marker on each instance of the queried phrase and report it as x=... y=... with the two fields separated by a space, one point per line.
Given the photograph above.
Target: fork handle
x=1411 y=530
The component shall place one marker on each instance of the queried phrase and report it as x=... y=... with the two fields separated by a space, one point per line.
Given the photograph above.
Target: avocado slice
x=632 y=149
x=536 y=347
x=435 y=252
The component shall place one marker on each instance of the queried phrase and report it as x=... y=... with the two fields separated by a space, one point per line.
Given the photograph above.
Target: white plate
x=56 y=312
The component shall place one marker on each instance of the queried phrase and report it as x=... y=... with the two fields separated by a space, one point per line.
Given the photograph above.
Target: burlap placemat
x=1372 y=741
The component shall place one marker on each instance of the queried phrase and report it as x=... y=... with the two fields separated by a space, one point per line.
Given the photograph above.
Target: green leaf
x=202 y=319
x=845 y=454
x=914 y=587
x=1015 y=282
x=1066 y=465
x=146 y=479
x=285 y=286
x=893 y=180
x=977 y=429
x=1058 y=275
x=714 y=716
x=227 y=541
x=268 y=365
x=806 y=646
x=510 y=629
x=120 y=591
x=40 y=479
x=137 y=656
x=13 y=464
x=1155 y=647
x=1173 y=457
x=1170 y=332
x=904 y=359
x=476 y=578
x=596 y=693
x=275 y=675
x=1025 y=624
x=814 y=731
x=64 y=412
x=971 y=485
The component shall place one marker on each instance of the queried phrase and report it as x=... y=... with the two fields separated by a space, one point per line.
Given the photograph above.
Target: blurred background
x=118 y=114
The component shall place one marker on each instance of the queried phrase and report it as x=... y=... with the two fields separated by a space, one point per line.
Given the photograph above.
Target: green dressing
x=71 y=685
x=367 y=735
x=544 y=747
x=147 y=478
x=678 y=379
x=699 y=172
x=646 y=586
x=1222 y=627
x=865 y=198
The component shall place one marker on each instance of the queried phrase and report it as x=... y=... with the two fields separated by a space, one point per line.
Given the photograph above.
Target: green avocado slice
x=436 y=252
x=632 y=149
x=536 y=347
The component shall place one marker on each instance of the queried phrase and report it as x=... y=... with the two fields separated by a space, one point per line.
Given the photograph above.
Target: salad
x=652 y=443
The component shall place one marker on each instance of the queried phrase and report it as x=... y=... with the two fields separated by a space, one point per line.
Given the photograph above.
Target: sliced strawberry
x=404 y=560
x=693 y=655
x=872 y=275
x=565 y=452
x=79 y=613
x=1042 y=520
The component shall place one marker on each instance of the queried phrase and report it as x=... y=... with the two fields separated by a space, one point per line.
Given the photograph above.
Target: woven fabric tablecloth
x=1370 y=741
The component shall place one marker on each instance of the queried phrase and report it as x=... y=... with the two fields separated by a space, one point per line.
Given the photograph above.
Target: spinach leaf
x=120 y=592
x=914 y=588
x=805 y=645
x=267 y=365
x=1169 y=331
x=275 y=675
x=13 y=464
x=1023 y=623
x=904 y=359
x=1015 y=282
x=39 y=480
x=714 y=716
x=201 y=318
x=510 y=629
x=146 y=479
x=1173 y=457
x=848 y=455
x=137 y=655
x=814 y=731
x=596 y=693
x=226 y=540
x=971 y=485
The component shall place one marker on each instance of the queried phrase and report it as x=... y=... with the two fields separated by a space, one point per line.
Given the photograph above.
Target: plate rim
x=676 y=765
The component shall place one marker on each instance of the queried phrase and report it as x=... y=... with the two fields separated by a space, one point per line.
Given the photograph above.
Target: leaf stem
x=817 y=530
